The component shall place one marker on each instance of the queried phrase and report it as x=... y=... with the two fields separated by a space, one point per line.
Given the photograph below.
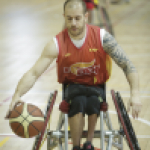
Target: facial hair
x=79 y=30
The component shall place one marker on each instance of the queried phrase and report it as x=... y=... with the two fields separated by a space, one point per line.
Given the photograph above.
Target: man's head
x=76 y=16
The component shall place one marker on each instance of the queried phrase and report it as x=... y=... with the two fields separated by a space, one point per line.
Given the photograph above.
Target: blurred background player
x=90 y=5
x=102 y=13
x=104 y=19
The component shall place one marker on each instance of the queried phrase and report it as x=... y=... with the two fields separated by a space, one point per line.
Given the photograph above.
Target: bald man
x=82 y=52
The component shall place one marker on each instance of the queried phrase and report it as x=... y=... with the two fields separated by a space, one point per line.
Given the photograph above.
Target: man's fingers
x=139 y=108
x=11 y=107
x=133 y=113
x=128 y=106
x=7 y=115
x=136 y=110
x=9 y=111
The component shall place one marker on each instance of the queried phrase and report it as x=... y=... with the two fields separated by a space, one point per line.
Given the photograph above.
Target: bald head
x=75 y=4
x=76 y=16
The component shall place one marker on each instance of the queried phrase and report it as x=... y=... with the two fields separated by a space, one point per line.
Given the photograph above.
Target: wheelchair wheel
x=37 y=144
x=125 y=122
x=106 y=20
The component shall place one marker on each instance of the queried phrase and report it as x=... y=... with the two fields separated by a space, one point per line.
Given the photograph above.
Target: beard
x=76 y=31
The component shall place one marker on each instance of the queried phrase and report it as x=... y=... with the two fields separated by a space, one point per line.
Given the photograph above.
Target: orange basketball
x=26 y=120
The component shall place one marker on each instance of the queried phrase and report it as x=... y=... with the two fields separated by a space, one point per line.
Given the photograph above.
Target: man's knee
x=78 y=105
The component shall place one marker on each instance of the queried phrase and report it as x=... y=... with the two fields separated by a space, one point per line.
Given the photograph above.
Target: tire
x=106 y=20
x=125 y=122
x=39 y=138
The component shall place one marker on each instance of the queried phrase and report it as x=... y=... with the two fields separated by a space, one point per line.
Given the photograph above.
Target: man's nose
x=73 y=22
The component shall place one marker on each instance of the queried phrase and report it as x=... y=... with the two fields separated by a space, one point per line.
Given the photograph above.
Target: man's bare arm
x=28 y=80
x=111 y=47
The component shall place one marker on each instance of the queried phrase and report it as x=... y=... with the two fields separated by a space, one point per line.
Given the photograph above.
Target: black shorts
x=84 y=103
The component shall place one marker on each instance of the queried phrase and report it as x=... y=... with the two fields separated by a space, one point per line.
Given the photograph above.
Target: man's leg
x=93 y=109
x=76 y=118
x=92 y=120
x=76 y=127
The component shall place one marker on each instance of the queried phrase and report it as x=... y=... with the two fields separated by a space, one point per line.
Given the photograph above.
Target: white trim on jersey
x=79 y=43
x=56 y=43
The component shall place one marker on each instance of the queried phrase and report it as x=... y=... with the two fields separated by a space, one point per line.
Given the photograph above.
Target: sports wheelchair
x=113 y=138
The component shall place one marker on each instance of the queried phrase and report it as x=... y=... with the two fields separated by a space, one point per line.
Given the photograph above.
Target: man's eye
x=77 y=18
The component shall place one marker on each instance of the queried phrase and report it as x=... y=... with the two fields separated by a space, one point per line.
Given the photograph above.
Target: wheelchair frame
x=110 y=136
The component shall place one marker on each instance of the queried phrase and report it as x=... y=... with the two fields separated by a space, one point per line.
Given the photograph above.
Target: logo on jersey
x=83 y=68
x=67 y=55
x=93 y=50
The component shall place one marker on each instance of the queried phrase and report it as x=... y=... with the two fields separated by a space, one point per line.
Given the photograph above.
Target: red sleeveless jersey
x=87 y=65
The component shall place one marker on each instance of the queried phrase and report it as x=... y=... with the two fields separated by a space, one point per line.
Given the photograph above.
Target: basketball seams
x=33 y=125
x=17 y=126
x=10 y=116
x=29 y=114
x=20 y=123
x=21 y=115
x=34 y=110
x=18 y=129
x=29 y=122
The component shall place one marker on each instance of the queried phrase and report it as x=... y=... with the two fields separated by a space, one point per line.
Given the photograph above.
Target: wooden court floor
x=27 y=25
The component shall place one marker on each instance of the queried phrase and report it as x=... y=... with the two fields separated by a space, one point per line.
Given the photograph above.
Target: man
x=81 y=51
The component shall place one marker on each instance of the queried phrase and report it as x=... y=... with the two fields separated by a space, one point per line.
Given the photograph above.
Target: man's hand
x=136 y=106
x=15 y=100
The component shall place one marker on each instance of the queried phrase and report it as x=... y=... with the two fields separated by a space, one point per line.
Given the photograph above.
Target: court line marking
x=130 y=13
x=4 y=141
x=143 y=136
x=139 y=119
x=5 y=100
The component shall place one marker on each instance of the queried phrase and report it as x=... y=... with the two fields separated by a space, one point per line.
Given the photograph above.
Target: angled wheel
x=125 y=122
x=106 y=20
x=39 y=138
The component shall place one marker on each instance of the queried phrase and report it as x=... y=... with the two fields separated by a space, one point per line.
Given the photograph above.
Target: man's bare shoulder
x=50 y=49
